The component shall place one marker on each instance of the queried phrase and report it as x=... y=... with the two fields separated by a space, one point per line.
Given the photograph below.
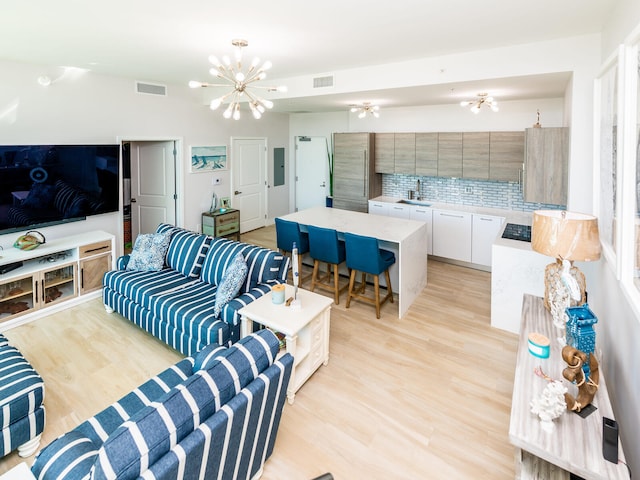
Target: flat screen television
x=42 y=185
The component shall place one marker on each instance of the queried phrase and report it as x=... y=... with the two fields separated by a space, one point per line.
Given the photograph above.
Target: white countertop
x=383 y=228
x=511 y=216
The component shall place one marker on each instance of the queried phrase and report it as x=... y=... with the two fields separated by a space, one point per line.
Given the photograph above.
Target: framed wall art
x=208 y=158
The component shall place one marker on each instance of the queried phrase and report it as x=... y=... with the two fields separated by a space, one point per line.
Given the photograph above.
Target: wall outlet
x=468 y=190
x=216 y=181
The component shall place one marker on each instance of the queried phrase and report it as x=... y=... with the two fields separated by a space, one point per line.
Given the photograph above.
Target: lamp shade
x=567 y=235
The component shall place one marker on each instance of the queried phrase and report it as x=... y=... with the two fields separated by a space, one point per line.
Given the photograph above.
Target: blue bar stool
x=288 y=232
x=365 y=256
x=324 y=246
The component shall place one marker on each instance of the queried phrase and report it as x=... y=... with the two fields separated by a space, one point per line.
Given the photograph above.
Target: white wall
x=90 y=108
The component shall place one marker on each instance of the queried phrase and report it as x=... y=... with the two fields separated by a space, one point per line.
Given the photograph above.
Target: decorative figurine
x=574 y=372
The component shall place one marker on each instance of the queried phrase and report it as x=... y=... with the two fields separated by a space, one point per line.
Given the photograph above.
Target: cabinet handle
x=96 y=249
x=484 y=219
x=398 y=208
x=36 y=291
x=82 y=278
x=451 y=215
x=43 y=295
x=364 y=169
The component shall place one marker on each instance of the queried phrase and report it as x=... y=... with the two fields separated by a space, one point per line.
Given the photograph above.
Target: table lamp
x=567 y=237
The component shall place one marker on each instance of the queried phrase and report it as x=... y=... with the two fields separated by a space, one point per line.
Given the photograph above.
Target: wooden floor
x=425 y=397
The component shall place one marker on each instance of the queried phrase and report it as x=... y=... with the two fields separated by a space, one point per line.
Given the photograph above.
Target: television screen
x=43 y=185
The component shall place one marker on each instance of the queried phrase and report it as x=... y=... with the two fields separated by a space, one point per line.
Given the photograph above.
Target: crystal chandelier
x=242 y=83
x=483 y=99
x=364 y=109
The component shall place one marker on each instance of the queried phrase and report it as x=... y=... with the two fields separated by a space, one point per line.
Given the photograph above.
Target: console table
x=575 y=444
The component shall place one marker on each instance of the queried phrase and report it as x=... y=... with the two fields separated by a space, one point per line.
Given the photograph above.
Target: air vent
x=151 y=88
x=323 y=82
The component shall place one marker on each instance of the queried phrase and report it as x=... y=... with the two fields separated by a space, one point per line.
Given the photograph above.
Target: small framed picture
x=208 y=159
x=225 y=202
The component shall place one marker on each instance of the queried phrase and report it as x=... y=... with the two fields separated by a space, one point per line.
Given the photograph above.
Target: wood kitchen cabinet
x=427 y=154
x=354 y=178
x=405 y=153
x=546 y=165
x=450 y=154
x=506 y=156
x=475 y=155
x=385 y=152
x=95 y=260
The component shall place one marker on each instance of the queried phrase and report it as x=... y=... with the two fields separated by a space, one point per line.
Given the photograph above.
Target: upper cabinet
x=475 y=155
x=546 y=165
x=405 y=153
x=427 y=154
x=506 y=156
x=354 y=178
x=385 y=152
x=450 y=154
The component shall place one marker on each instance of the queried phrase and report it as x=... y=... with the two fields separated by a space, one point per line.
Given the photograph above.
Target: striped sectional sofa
x=176 y=304
x=213 y=415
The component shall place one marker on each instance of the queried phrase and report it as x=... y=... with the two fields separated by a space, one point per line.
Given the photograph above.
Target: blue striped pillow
x=187 y=251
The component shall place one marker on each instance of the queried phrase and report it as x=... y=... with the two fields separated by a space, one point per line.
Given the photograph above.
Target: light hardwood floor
x=425 y=397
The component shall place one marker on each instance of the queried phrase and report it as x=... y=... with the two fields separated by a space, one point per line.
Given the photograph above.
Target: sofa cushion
x=187 y=251
x=263 y=264
x=156 y=429
x=208 y=356
x=233 y=278
x=70 y=457
x=149 y=252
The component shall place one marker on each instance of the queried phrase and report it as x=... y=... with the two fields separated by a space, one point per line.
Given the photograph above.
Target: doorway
x=312 y=163
x=151 y=191
x=249 y=181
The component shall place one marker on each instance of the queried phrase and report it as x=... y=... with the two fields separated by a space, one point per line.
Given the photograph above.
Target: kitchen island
x=406 y=238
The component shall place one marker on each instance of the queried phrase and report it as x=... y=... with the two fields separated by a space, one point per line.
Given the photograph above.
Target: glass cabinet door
x=16 y=297
x=56 y=284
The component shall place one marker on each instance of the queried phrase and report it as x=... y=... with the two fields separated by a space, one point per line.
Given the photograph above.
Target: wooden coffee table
x=306 y=330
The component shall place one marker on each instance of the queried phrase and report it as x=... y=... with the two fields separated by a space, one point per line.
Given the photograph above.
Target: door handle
x=237 y=192
x=324 y=184
x=133 y=200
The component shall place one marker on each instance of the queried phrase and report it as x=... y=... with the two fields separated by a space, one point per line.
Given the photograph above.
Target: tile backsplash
x=481 y=193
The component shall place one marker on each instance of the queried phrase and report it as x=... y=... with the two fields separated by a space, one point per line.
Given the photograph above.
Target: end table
x=306 y=330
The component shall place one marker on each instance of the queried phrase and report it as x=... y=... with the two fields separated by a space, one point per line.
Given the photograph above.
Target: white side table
x=19 y=472
x=306 y=330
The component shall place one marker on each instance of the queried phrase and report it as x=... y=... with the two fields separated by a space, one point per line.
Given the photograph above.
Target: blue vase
x=580 y=333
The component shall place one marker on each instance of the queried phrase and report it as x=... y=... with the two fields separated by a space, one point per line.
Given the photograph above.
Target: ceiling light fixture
x=483 y=99
x=240 y=82
x=365 y=108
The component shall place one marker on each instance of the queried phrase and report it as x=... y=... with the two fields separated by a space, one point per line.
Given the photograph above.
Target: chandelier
x=365 y=108
x=483 y=99
x=241 y=82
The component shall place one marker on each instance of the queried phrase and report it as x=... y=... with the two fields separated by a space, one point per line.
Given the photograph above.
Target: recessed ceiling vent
x=151 y=88
x=323 y=82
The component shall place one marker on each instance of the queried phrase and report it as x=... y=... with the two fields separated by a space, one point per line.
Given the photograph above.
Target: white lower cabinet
x=485 y=229
x=378 y=208
x=424 y=214
x=399 y=210
x=452 y=234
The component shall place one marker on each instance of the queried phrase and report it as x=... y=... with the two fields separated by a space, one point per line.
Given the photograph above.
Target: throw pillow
x=149 y=252
x=232 y=280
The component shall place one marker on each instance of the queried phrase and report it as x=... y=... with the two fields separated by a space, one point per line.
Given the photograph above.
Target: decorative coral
x=550 y=404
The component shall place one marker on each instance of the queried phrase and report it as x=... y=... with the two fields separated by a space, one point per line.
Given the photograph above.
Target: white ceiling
x=166 y=41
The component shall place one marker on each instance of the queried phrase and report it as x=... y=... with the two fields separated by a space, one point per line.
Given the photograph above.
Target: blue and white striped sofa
x=176 y=303
x=214 y=415
x=22 y=414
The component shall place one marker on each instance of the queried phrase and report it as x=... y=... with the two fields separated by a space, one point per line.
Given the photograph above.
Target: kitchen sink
x=416 y=202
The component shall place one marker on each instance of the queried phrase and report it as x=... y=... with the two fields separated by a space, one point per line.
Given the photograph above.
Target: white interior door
x=249 y=184
x=153 y=186
x=312 y=164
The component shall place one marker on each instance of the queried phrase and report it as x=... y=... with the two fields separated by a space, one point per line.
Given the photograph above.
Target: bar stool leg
x=389 y=290
x=376 y=287
x=352 y=280
x=336 y=288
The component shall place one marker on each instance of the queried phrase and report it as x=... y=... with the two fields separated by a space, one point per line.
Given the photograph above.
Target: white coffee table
x=19 y=472
x=306 y=330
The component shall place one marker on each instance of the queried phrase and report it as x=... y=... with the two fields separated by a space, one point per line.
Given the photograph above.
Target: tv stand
x=54 y=276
